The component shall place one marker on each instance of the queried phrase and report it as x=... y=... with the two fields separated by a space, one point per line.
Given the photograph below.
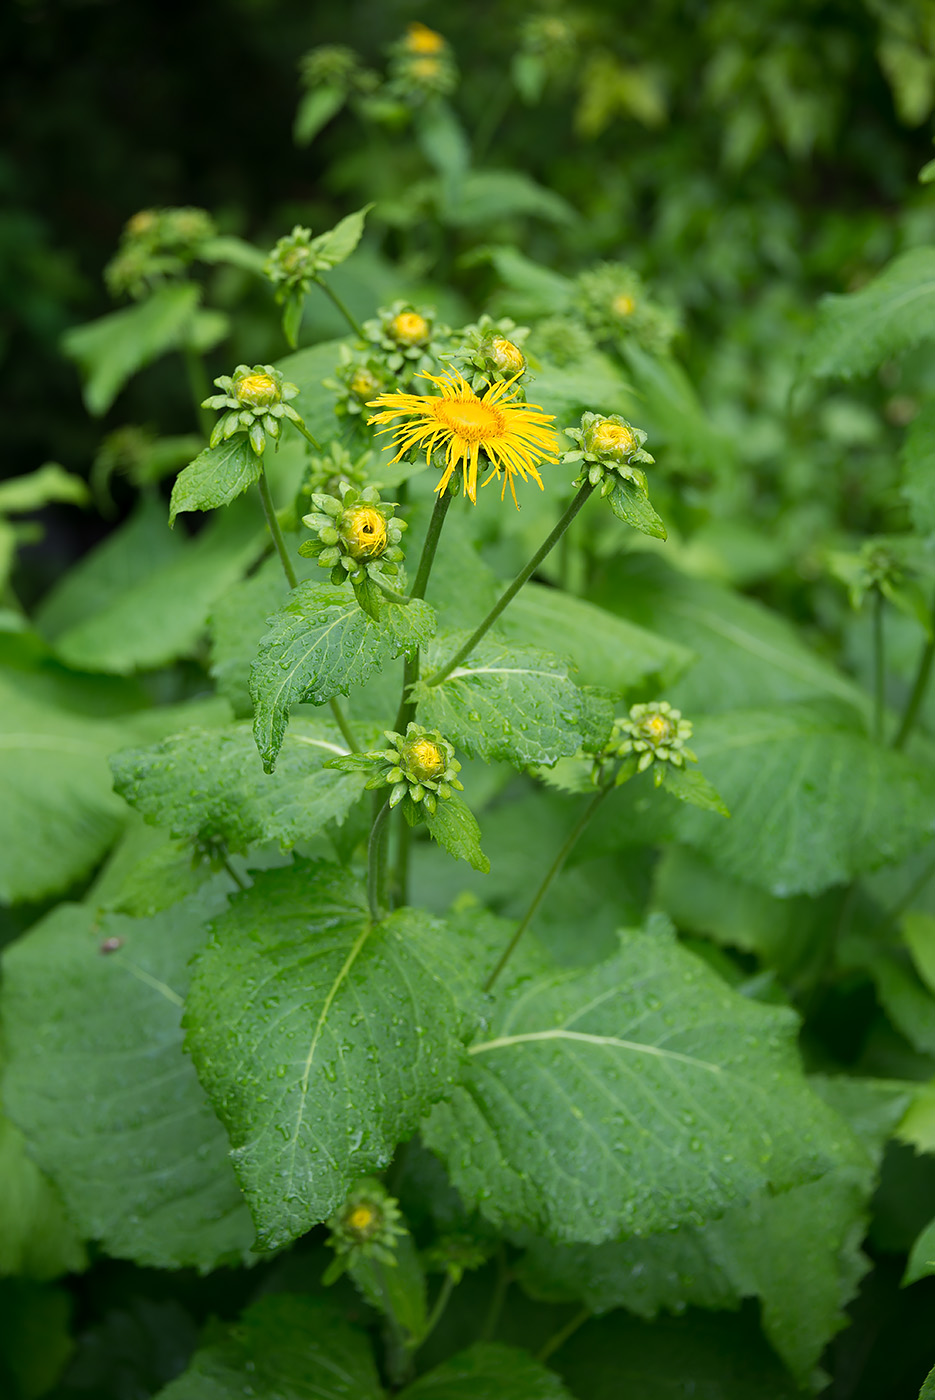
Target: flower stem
x=230 y=871
x=443 y=500
x=510 y=593
x=351 y=320
x=441 y=1303
x=550 y=875
x=341 y=721
x=269 y=510
x=305 y=433
x=559 y=1338
x=376 y=848
x=919 y=689
x=401 y=876
x=879 y=668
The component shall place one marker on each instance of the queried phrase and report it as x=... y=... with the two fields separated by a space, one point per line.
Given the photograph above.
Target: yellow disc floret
x=409 y=328
x=361 y=1218
x=508 y=357
x=363 y=382
x=258 y=390
x=425 y=759
x=422 y=40
x=515 y=437
x=612 y=438
x=624 y=305
x=364 y=530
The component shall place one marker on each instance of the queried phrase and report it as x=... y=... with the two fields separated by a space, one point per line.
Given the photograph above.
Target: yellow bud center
x=409 y=328
x=657 y=729
x=425 y=760
x=294 y=258
x=258 y=390
x=612 y=438
x=507 y=356
x=363 y=384
x=421 y=39
x=361 y=1218
x=624 y=305
x=364 y=530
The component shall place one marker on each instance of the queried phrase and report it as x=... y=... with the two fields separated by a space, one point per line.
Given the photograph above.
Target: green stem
x=879 y=668
x=351 y=320
x=497 y=1298
x=559 y=1338
x=550 y=875
x=407 y=708
x=375 y=863
x=305 y=433
x=198 y=388
x=908 y=899
x=919 y=690
x=345 y=728
x=269 y=510
x=394 y=597
x=510 y=593
x=225 y=861
x=441 y=1303
x=401 y=877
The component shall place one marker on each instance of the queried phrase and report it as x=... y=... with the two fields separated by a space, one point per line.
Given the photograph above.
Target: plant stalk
x=376 y=848
x=550 y=875
x=439 y=1306
x=341 y=721
x=269 y=510
x=407 y=708
x=229 y=870
x=559 y=1338
x=919 y=690
x=548 y=544
x=351 y=320
x=306 y=434
x=879 y=669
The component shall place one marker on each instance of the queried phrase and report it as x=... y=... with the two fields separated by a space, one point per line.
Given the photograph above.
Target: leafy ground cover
x=466 y=846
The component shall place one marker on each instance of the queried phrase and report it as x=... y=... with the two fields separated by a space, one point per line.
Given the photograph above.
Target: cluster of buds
x=561 y=340
x=421 y=66
x=609 y=448
x=325 y=472
x=358 y=378
x=404 y=338
x=547 y=50
x=367 y=1226
x=419 y=767
x=157 y=243
x=332 y=66
x=257 y=400
x=615 y=303
x=891 y=567
x=357 y=539
x=489 y=350
x=650 y=736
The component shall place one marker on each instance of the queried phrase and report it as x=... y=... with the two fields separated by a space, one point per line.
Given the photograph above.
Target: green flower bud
x=256 y=399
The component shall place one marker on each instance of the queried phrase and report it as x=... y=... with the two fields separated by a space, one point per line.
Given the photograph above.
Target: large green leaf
x=98 y=1082
x=485 y=196
x=798 y=1251
x=605 y=650
x=488 y=1371
x=138 y=603
x=320 y=644
x=918 y=462
x=747 y=655
x=283 y=1347
x=506 y=701
x=238 y=625
x=928 y=1386
x=321 y=1038
x=857 y=332
x=209 y=785
x=111 y=350
x=216 y=476
x=631 y=1097
x=670 y=409
x=814 y=801
x=37 y=1240
x=922 y=1258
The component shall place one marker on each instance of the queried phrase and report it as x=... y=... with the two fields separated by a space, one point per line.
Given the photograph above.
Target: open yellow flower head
x=515 y=437
x=422 y=40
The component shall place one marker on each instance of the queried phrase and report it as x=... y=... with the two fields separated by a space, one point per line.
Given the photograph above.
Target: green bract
x=368 y=1226
x=358 y=535
x=257 y=400
x=609 y=446
x=489 y=350
x=157 y=243
x=359 y=377
x=420 y=766
x=405 y=338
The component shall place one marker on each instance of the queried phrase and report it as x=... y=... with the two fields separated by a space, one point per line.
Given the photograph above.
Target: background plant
x=644 y=213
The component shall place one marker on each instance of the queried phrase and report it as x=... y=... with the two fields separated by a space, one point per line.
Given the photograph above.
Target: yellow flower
x=420 y=39
x=514 y=436
x=409 y=328
x=624 y=305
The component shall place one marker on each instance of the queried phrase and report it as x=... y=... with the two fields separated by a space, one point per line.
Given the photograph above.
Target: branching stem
x=407 y=707
x=346 y=730
x=351 y=320
x=548 y=544
x=269 y=510
x=559 y=1338
x=549 y=876
x=376 y=850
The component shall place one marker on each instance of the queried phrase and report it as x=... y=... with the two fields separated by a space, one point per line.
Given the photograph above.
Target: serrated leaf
x=488 y=1371
x=335 y=246
x=98 y=1083
x=315 y=111
x=111 y=350
x=629 y=1098
x=125 y=609
x=319 y=645
x=813 y=800
x=283 y=1347
x=605 y=650
x=454 y=826
x=747 y=655
x=238 y=625
x=918 y=464
x=928 y=1386
x=321 y=1038
x=633 y=506
x=208 y=785
x=216 y=476
x=855 y=333
x=504 y=701
x=690 y=785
